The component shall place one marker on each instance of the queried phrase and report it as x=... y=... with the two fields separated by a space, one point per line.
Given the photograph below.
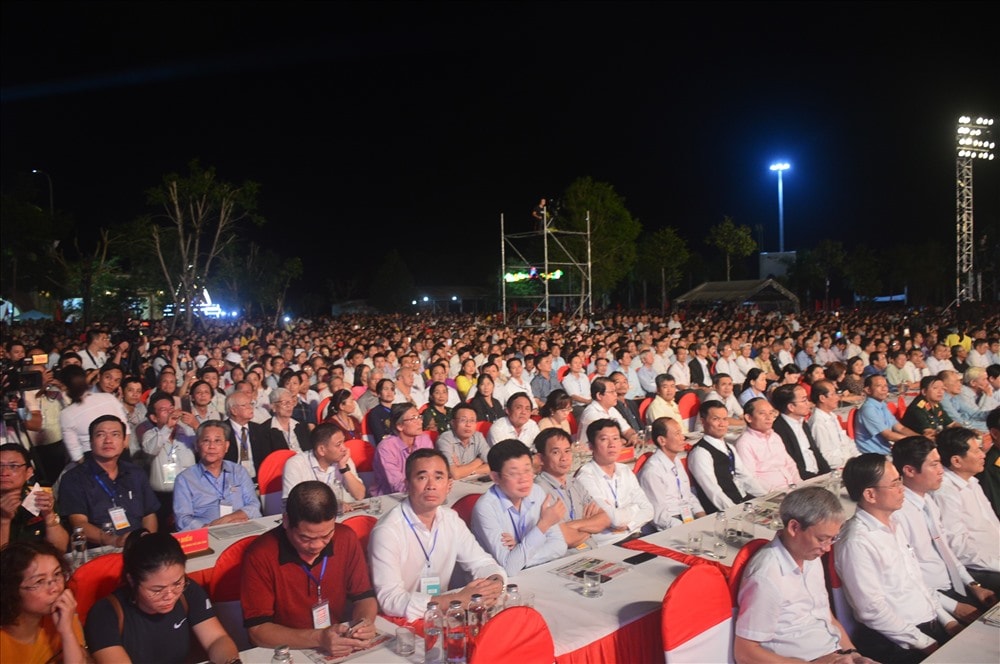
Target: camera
x=17 y=378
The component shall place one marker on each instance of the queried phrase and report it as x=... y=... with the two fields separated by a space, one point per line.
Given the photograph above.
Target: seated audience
x=792 y=402
x=824 y=425
x=761 y=449
x=603 y=406
x=464 y=446
x=17 y=524
x=390 y=455
x=876 y=428
x=329 y=461
x=665 y=480
x=721 y=477
x=584 y=517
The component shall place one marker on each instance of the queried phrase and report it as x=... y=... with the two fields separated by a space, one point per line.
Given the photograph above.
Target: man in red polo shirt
x=298 y=577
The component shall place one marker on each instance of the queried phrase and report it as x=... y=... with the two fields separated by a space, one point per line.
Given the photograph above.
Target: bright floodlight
x=973 y=138
x=780 y=167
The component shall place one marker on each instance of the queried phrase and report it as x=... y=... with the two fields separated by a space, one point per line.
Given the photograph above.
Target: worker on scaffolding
x=540 y=215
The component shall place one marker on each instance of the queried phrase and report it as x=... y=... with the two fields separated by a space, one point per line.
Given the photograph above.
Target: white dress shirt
x=784 y=608
x=304 y=466
x=576 y=385
x=502 y=429
x=970 y=525
x=668 y=489
x=702 y=469
x=883 y=583
x=681 y=373
x=916 y=519
x=798 y=428
x=595 y=411
x=514 y=386
x=494 y=514
x=620 y=496
x=75 y=419
x=402 y=551
x=730 y=367
x=831 y=439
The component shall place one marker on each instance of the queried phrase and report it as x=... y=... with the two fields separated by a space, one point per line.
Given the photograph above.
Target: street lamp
x=781 y=204
x=52 y=208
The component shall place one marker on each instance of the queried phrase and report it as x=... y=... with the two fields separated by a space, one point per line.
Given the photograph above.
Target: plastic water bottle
x=108 y=530
x=79 y=547
x=477 y=616
x=512 y=596
x=433 y=633
x=455 y=636
x=282 y=655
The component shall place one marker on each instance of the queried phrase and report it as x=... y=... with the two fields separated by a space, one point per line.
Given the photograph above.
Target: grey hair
x=811 y=505
x=277 y=394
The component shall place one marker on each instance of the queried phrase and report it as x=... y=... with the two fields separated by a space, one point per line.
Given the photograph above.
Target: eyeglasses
x=518 y=476
x=895 y=484
x=58 y=580
x=13 y=467
x=411 y=418
x=467 y=420
x=175 y=588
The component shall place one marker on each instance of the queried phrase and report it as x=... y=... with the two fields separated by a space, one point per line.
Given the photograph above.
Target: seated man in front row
x=515 y=521
x=784 y=610
x=665 y=480
x=298 y=577
x=415 y=547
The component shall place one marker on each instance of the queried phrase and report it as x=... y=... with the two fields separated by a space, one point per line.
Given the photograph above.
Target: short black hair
x=426 y=453
x=504 y=451
x=953 y=441
x=911 y=451
x=541 y=441
x=101 y=420
x=861 y=472
x=310 y=501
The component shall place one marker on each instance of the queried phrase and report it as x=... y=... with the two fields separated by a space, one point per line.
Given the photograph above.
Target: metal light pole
x=781 y=204
x=973 y=141
x=52 y=207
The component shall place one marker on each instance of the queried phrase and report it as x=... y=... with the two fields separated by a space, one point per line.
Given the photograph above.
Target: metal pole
x=781 y=215
x=503 y=270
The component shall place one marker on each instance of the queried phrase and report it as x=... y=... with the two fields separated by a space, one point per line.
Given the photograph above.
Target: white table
x=976 y=643
x=384 y=654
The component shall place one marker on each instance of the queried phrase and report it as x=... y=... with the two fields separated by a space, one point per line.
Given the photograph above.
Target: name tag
x=225 y=509
x=430 y=585
x=169 y=472
x=118 y=518
x=686 y=514
x=320 y=615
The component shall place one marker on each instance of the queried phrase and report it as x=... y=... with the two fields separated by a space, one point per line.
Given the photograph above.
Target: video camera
x=18 y=378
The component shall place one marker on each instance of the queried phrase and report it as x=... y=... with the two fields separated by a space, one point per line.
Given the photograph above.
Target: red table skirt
x=638 y=642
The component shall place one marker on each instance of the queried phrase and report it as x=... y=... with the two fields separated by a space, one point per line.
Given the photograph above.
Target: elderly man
x=722 y=478
x=603 y=405
x=680 y=369
x=899 y=618
x=824 y=425
x=517 y=423
x=876 y=428
x=299 y=577
x=784 y=610
x=762 y=450
x=665 y=480
x=793 y=405
x=249 y=442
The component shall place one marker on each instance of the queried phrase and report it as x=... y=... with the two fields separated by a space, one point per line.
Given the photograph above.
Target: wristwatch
x=55 y=520
x=344 y=470
x=849 y=651
x=975 y=584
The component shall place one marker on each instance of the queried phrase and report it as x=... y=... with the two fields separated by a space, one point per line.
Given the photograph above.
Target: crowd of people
x=128 y=434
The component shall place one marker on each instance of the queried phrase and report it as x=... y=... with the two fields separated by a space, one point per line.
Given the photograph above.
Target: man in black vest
x=793 y=404
x=722 y=479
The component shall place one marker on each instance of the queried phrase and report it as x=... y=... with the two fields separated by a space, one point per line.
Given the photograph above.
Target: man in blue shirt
x=214 y=491
x=876 y=429
x=102 y=489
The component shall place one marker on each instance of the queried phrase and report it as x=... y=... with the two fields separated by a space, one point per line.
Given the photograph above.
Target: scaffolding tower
x=974 y=141
x=564 y=278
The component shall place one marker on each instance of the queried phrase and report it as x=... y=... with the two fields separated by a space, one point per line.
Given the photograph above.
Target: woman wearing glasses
x=152 y=616
x=406 y=435
x=38 y=621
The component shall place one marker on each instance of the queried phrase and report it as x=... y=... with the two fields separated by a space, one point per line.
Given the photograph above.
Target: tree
x=816 y=269
x=201 y=215
x=731 y=240
x=613 y=232
x=392 y=284
x=862 y=270
x=663 y=255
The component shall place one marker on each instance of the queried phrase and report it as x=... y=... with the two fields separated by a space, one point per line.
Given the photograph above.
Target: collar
x=764 y=435
x=914 y=498
x=287 y=553
x=716 y=443
x=871 y=523
x=786 y=563
x=792 y=421
x=953 y=477
x=550 y=479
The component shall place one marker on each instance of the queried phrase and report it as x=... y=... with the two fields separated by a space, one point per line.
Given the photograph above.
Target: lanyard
x=572 y=508
x=108 y=491
x=427 y=556
x=677 y=478
x=614 y=489
x=211 y=480
x=519 y=525
x=319 y=581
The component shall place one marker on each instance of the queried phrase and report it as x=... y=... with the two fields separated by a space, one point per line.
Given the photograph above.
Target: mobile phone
x=353 y=626
x=604 y=577
x=639 y=558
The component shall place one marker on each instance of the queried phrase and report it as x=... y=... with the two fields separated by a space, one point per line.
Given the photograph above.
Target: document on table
x=232 y=530
x=992 y=616
x=320 y=657
x=574 y=569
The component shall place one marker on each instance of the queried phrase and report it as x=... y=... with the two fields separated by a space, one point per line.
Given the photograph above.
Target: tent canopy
x=766 y=293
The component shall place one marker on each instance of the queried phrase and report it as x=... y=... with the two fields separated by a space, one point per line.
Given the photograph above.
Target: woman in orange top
x=38 y=621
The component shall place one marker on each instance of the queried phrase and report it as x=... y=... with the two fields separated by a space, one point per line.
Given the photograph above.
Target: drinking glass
x=375 y=505
x=405 y=641
x=592 y=584
x=528 y=599
x=694 y=542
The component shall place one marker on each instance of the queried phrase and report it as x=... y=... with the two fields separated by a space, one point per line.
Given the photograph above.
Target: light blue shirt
x=962 y=409
x=198 y=494
x=873 y=418
x=494 y=514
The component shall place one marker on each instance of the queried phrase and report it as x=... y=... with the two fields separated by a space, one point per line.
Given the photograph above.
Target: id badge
x=169 y=472
x=225 y=509
x=686 y=515
x=320 y=614
x=430 y=585
x=118 y=518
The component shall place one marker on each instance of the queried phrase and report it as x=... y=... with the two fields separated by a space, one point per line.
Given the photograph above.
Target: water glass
x=833 y=481
x=375 y=504
x=592 y=584
x=719 y=550
x=528 y=599
x=694 y=542
x=405 y=641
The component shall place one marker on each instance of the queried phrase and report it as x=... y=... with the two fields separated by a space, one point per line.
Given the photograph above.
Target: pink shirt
x=766 y=457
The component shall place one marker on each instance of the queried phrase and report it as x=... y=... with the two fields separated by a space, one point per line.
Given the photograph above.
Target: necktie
x=244 y=447
x=947 y=555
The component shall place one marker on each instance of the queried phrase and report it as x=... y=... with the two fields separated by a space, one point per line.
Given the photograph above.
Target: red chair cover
x=464 y=507
x=743 y=556
x=852 y=417
x=224 y=586
x=362 y=526
x=695 y=602
x=643 y=407
x=269 y=473
x=362 y=454
x=483 y=427
x=563 y=370
x=643 y=458
x=688 y=405
x=518 y=634
x=95 y=580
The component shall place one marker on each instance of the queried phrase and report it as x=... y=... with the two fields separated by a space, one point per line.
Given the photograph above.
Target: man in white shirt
x=665 y=480
x=329 y=461
x=970 y=525
x=919 y=464
x=727 y=364
x=722 y=390
x=663 y=355
x=761 y=448
x=940 y=360
x=584 y=517
x=603 y=405
x=680 y=369
x=613 y=485
x=831 y=439
x=518 y=382
x=721 y=476
x=785 y=356
x=414 y=548
x=517 y=423
x=516 y=521
x=899 y=618
x=793 y=405
x=784 y=608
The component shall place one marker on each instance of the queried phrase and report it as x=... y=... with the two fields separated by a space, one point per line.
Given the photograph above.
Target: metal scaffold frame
x=964 y=244
x=524 y=244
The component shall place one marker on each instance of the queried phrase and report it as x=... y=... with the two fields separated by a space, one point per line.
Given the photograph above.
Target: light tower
x=780 y=168
x=974 y=141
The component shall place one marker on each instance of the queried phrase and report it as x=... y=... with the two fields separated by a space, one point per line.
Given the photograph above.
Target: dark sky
x=416 y=125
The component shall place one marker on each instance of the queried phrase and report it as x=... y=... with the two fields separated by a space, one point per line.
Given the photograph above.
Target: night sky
x=380 y=125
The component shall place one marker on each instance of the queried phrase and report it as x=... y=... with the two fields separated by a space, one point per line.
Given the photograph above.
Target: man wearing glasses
x=792 y=402
x=464 y=446
x=899 y=618
x=784 y=608
x=249 y=442
x=298 y=578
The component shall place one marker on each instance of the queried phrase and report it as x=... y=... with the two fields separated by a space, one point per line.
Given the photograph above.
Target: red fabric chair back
x=362 y=454
x=643 y=458
x=894 y=409
x=145 y=399
x=852 y=417
x=433 y=435
x=464 y=507
x=743 y=556
x=643 y=407
x=573 y=425
x=563 y=370
x=269 y=473
x=696 y=602
x=688 y=405
x=94 y=580
x=362 y=526
x=838 y=598
x=224 y=586
x=518 y=634
x=321 y=409
x=483 y=427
